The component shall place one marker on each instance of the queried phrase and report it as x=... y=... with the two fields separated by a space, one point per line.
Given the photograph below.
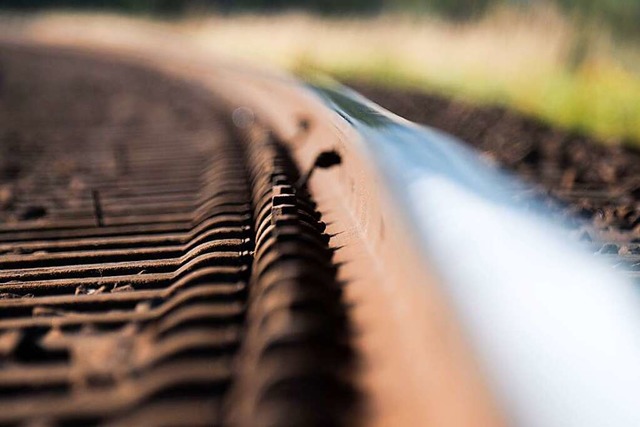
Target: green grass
x=597 y=93
x=536 y=61
x=600 y=100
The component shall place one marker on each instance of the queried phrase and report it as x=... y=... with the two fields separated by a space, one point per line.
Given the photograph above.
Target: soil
x=598 y=182
x=59 y=111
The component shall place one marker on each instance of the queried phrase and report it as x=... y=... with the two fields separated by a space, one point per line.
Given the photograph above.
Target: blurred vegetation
x=164 y=7
x=540 y=61
x=622 y=15
x=571 y=62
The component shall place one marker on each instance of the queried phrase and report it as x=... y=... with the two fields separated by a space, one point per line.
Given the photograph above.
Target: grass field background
x=538 y=61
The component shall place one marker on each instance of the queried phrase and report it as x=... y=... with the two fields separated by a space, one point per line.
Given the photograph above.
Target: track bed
x=157 y=267
x=160 y=265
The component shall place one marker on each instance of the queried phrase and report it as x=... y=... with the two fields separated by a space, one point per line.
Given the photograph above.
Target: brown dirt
x=598 y=182
x=59 y=112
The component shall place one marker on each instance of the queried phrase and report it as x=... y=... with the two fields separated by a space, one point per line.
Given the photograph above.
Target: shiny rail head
x=553 y=327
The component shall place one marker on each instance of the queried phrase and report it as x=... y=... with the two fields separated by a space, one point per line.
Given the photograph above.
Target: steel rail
x=554 y=329
x=472 y=308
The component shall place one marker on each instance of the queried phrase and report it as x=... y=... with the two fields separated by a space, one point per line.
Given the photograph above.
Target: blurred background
x=568 y=63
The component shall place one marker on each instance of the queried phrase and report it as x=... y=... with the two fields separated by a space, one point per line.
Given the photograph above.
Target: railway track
x=145 y=250
x=176 y=249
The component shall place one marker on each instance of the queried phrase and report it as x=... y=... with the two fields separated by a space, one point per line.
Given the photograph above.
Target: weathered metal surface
x=130 y=290
x=419 y=345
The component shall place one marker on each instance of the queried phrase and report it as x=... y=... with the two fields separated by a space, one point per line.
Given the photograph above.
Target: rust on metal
x=159 y=266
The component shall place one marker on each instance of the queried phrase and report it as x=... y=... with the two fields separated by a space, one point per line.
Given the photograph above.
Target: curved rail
x=447 y=272
x=556 y=331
